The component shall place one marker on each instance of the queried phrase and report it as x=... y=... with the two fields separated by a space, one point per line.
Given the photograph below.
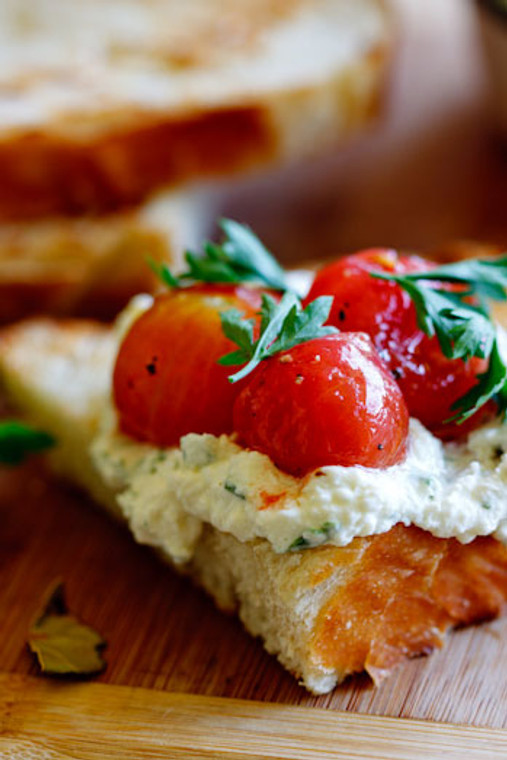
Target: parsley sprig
x=283 y=325
x=240 y=257
x=461 y=321
x=18 y=440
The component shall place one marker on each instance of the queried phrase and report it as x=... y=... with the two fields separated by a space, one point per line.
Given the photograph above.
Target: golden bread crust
x=404 y=590
x=85 y=266
x=94 y=118
x=92 y=265
x=46 y=175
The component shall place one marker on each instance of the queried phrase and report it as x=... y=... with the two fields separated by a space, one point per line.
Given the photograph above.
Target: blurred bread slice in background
x=429 y=171
x=104 y=101
x=92 y=265
x=115 y=114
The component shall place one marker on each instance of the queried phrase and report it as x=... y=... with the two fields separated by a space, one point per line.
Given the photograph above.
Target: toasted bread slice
x=326 y=612
x=92 y=265
x=100 y=104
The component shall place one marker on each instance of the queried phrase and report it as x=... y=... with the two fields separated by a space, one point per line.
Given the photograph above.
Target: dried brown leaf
x=62 y=644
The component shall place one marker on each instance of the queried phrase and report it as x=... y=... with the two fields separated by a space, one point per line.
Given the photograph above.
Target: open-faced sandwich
x=333 y=469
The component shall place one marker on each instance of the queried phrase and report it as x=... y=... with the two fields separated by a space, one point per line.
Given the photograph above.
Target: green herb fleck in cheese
x=449 y=490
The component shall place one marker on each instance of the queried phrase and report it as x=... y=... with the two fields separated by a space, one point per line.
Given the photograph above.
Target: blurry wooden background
x=433 y=169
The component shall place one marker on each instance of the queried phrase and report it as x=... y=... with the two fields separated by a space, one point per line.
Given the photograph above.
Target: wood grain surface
x=44 y=721
x=165 y=634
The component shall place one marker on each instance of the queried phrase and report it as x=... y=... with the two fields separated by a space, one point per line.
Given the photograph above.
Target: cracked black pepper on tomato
x=433 y=381
x=313 y=396
x=167 y=381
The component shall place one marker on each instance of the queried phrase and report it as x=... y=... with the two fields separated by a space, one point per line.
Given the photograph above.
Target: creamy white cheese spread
x=167 y=495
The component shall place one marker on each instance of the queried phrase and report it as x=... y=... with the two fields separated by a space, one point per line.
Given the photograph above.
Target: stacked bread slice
x=112 y=112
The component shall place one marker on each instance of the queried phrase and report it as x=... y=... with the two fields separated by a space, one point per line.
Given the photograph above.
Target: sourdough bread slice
x=102 y=103
x=325 y=612
x=92 y=265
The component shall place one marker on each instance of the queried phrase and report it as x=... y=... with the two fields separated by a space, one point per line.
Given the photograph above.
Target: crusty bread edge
x=50 y=172
x=92 y=265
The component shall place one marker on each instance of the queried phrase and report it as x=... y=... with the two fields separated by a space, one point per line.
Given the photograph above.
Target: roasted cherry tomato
x=330 y=401
x=430 y=382
x=166 y=379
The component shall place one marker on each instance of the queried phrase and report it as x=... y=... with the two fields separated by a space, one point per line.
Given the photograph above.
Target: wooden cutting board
x=191 y=664
x=91 y=722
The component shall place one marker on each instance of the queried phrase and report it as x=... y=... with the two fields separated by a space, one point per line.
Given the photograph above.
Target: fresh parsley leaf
x=17 y=440
x=241 y=332
x=163 y=273
x=302 y=325
x=461 y=320
x=240 y=257
x=492 y=384
x=479 y=272
x=284 y=324
x=248 y=254
x=63 y=645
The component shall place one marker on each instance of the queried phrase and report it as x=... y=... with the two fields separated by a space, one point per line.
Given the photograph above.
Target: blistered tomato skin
x=166 y=380
x=430 y=382
x=362 y=303
x=329 y=401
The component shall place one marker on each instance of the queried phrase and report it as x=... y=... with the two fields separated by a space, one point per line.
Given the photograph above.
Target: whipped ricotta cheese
x=167 y=495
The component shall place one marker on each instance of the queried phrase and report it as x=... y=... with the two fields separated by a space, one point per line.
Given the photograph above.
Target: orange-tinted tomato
x=330 y=401
x=166 y=381
x=430 y=382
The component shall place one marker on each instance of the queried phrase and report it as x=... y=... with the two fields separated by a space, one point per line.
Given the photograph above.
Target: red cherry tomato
x=166 y=380
x=430 y=382
x=329 y=401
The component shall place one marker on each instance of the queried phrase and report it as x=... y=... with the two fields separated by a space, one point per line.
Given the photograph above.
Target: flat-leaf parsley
x=461 y=320
x=18 y=440
x=240 y=257
x=284 y=324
